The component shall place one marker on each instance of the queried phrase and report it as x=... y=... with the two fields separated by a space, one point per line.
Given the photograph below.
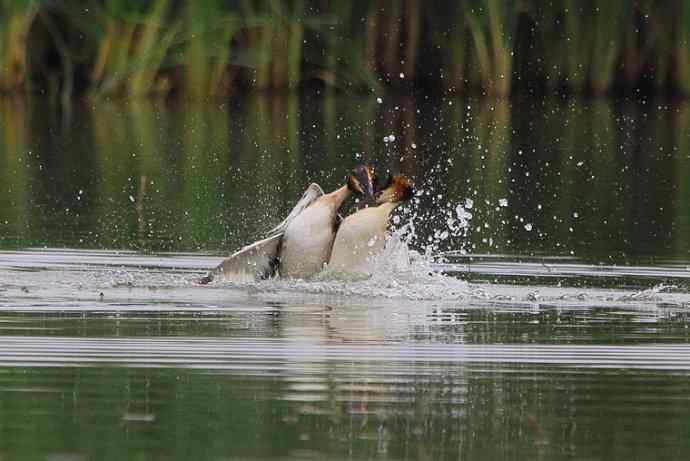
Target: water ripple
x=275 y=354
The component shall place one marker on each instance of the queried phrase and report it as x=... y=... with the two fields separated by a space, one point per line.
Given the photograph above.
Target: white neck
x=340 y=195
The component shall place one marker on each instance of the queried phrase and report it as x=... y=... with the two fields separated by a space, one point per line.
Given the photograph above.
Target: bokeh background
x=213 y=48
x=170 y=125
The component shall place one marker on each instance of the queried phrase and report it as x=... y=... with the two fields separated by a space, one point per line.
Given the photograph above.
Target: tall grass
x=491 y=24
x=681 y=51
x=275 y=40
x=15 y=168
x=208 y=48
x=606 y=39
x=553 y=42
x=349 y=46
x=209 y=30
x=15 y=19
x=576 y=48
x=448 y=32
x=133 y=44
x=681 y=119
x=593 y=43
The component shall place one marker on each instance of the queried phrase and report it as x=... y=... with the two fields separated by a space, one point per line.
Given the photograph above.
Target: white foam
x=399 y=275
x=396 y=272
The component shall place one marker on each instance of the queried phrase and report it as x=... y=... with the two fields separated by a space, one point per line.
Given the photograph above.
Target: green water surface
x=138 y=369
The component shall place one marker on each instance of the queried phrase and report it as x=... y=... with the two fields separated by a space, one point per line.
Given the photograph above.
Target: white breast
x=307 y=241
x=360 y=237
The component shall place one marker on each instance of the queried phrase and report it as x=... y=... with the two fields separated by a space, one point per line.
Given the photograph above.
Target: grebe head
x=397 y=188
x=361 y=181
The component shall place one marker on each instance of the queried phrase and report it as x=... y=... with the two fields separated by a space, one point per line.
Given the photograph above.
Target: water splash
x=397 y=271
x=450 y=225
x=72 y=281
x=650 y=294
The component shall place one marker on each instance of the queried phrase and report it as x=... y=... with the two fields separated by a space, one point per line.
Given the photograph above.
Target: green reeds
x=549 y=16
x=448 y=33
x=150 y=50
x=593 y=43
x=681 y=168
x=576 y=48
x=491 y=25
x=681 y=51
x=349 y=57
x=275 y=39
x=15 y=19
x=133 y=44
x=209 y=29
x=198 y=48
x=606 y=40
x=15 y=168
x=295 y=31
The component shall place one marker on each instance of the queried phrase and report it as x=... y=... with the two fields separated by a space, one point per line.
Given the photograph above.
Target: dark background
x=215 y=48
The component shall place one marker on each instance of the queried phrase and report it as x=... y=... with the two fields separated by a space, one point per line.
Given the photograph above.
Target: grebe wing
x=254 y=262
x=259 y=260
x=309 y=196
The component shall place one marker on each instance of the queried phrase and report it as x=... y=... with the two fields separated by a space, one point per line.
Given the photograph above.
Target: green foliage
x=134 y=40
x=605 y=40
x=209 y=29
x=206 y=48
x=15 y=19
x=491 y=24
x=593 y=42
x=682 y=50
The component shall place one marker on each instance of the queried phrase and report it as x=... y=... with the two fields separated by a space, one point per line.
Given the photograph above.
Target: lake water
x=544 y=316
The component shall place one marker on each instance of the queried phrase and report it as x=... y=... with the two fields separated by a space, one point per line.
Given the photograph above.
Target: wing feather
x=310 y=195
x=253 y=262
x=259 y=260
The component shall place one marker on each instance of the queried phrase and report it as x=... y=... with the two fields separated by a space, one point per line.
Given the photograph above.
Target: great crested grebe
x=300 y=246
x=363 y=234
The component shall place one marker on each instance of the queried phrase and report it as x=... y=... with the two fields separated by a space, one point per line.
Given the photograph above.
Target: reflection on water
x=107 y=353
x=601 y=181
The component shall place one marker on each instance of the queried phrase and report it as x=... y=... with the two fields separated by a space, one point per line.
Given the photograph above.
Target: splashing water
x=451 y=227
x=407 y=266
x=398 y=270
x=395 y=272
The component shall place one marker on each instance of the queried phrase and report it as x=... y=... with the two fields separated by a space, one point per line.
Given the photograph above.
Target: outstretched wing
x=260 y=259
x=253 y=262
x=310 y=195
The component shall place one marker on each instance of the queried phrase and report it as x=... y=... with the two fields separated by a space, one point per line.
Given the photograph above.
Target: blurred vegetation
x=210 y=48
x=604 y=181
